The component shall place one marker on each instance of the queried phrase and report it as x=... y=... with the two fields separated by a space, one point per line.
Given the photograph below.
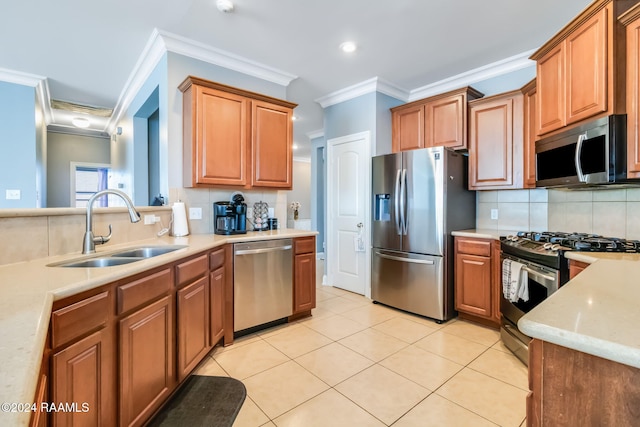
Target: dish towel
x=515 y=281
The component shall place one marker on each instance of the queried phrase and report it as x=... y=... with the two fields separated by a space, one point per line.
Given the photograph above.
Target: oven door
x=542 y=282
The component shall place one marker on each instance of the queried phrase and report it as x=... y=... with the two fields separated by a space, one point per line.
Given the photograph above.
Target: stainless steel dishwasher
x=263 y=282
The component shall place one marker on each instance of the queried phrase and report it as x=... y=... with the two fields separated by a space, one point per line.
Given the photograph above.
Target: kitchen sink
x=119 y=258
x=147 y=251
x=96 y=262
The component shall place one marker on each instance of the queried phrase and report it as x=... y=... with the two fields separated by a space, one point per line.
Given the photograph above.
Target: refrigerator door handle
x=397 y=201
x=411 y=260
x=403 y=201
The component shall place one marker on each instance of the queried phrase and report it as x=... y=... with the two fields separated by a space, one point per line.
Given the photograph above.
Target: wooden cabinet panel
x=495 y=142
x=216 y=294
x=586 y=67
x=144 y=290
x=84 y=373
x=77 y=319
x=193 y=325
x=190 y=270
x=233 y=137
x=529 y=134
x=147 y=369
x=304 y=245
x=271 y=139
x=216 y=259
x=304 y=292
x=445 y=122
x=576 y=267
x=408 y=128
x=632 y=22
x=551 y=94
x=477 y=279
x=473 y=284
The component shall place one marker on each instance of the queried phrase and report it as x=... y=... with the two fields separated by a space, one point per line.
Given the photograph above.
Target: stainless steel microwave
x=594 y=153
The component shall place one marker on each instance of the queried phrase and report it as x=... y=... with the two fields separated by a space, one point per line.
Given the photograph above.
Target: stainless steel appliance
x=263 y=283
x=590 y=154
x=419 y=197
x=542 y=254
x=230 y=217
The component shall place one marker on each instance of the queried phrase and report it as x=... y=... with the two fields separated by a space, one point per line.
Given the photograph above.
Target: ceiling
x=87 y=51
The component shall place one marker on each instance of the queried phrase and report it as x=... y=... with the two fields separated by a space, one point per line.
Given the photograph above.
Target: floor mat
x=203 y=401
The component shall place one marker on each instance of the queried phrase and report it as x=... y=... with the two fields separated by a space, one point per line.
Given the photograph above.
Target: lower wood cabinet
x=571 y=388
x=193 y=325
x=83 y=374
x=576 y=267
x=147 y=367
x=217 y=282
x=304 y=275
x=477 y=286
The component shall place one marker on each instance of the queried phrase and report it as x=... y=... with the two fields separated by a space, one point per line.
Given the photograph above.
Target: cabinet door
x=193 y=325
x=216 y=294
x=550 y=92
x=530 y=127
x=444 y=124
x=473 y=284
x=576 y=267
x=222 y=137
x=633 y=97
x=147 y=367
x=304 y=293
x=271 y=145
x=586 y=66
x=495 y=140
x=408 y=128
x=84 y=373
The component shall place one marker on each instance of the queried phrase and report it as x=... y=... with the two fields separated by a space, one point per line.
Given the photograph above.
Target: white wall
x=301 y=191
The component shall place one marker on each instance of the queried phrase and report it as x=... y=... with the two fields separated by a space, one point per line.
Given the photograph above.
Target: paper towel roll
x=180 y=226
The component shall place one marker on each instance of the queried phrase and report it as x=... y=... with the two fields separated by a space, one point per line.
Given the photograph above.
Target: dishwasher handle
x=262 y=250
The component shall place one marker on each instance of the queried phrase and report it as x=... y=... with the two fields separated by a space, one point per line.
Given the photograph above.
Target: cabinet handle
x=411 y=260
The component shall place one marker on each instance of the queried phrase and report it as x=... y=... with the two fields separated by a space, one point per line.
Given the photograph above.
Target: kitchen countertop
x=28 y=289
x=595 y=312
x=483 y=233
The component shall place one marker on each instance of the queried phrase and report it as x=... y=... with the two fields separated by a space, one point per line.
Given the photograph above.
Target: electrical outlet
x=195 y=213
x=13 y=195
x=494 y=213
x=151 y=219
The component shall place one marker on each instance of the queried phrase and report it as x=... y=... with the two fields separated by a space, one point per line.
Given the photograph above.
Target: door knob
x=360 y=225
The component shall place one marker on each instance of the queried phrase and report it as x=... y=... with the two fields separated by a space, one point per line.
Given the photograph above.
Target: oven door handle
x=535 y=273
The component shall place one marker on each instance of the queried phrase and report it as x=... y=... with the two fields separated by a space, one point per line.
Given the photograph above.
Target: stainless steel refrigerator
x=419 y=197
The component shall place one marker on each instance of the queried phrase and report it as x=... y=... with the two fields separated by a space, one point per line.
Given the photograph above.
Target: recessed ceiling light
x=225 y=6
x=80 y=122
x=348 y=47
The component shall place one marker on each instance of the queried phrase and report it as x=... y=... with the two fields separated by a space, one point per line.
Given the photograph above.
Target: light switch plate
x=195 y=213
x=494 y=213
x=13 y=195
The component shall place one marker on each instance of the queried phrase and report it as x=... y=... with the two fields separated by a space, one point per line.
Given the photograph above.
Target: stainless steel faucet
x=90 y=242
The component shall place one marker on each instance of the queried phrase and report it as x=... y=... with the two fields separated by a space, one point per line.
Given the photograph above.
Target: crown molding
x=375 y=84
x=498 y=68
x=161 y=42
x=39 y=83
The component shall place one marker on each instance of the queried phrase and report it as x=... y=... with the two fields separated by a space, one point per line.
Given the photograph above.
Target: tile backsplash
x=609 y=212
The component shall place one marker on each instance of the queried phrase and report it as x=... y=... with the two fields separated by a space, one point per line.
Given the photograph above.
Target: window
x=89 y=180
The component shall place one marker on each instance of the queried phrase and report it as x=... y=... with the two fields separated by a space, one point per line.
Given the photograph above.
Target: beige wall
x=610 y=212
x=301 y=191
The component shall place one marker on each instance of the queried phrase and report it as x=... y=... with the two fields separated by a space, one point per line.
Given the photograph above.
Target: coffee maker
x=230 y=217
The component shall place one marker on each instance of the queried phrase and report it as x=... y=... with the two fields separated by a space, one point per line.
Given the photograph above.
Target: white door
x=348 y=212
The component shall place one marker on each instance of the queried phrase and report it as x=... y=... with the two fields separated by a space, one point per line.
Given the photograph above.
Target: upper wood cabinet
x=233 y=137
x=436 y=121
x=632 y=21
x=530 y=128
x=581 y=70
x=496 y=159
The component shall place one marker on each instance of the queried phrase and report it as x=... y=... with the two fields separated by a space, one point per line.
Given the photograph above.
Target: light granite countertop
x=595 y=312
x=483 y=233
x=28 y=289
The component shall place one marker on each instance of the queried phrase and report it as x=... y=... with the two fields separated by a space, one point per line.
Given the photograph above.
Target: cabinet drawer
x=473 y=247
x=77 y=319
x=143 y=290
x=303 y=245
x=216 y=259
x=190 y=270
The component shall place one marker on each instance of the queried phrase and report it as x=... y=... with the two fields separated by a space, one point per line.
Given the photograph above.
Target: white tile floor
x=355 y=363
